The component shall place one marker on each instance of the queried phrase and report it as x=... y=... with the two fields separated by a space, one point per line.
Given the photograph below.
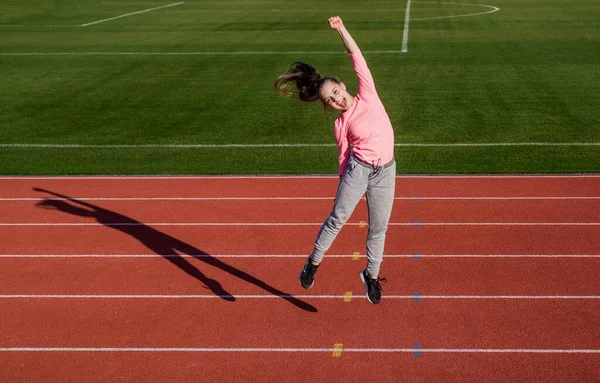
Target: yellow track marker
x=362 y=224
x=348 y=296
x=337 y=349
x=355 y=256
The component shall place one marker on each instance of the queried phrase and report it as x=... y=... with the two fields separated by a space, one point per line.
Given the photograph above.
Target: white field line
x=407 y=15
x=293 y=224
x=184 y=53
x=288 y=145
x=130 y=14
x=166 y=146
x=406 y=23
x=130 y=2
x=494 y=9
x=38 y=25
x=301 y=256
x=273 y=296
x=407 y=18
x=416 y=198
x=300 y=350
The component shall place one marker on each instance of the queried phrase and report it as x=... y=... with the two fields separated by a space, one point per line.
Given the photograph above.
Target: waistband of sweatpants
x=369 y=166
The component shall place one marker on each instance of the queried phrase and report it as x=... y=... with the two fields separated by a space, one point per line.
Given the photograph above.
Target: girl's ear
x=343 y=86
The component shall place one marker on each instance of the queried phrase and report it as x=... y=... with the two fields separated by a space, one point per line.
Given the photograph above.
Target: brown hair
x=307 y=79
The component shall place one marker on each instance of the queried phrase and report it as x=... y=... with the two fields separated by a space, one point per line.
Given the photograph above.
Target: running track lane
x=297 y=240
x=208 y=324
x=274 y=323
x=301 y=186
x=585 y=369
x=406 y=276
x=299 y=366
x=42 y=210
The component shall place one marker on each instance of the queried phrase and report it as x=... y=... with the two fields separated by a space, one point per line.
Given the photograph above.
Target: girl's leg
x=352 y=188
x=380 y=198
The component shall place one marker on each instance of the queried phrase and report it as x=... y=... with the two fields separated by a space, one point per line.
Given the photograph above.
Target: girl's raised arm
x=336 y=23
x=366 y=85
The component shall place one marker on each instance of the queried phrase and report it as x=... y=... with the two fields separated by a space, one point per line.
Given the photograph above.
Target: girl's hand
x=335 y=22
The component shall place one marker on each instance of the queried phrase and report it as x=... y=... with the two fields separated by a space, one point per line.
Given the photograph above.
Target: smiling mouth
x=343 y=103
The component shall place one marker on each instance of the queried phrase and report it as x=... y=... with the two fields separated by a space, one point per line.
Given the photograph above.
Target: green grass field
x=104 y=87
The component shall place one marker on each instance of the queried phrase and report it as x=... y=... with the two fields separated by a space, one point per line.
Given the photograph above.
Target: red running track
x=195 y=279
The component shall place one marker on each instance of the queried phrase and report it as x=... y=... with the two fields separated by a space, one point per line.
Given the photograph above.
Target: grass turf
x=525 y=74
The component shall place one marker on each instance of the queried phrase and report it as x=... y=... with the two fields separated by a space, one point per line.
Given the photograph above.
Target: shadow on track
x=163 y=245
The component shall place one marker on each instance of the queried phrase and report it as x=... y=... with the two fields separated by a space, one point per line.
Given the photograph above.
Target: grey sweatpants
x=379 y=184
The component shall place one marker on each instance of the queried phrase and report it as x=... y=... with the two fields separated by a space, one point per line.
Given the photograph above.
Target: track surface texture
x=489 y=279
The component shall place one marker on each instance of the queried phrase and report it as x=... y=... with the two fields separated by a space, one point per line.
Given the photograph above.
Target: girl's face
x=335 y=96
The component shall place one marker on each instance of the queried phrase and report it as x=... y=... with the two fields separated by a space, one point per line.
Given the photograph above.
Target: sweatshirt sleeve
x=366 y=85
x=343 y=147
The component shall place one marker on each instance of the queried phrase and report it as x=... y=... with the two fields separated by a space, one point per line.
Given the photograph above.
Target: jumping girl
x=365 y=140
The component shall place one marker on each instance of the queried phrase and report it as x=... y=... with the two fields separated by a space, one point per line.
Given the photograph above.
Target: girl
x=365 y=139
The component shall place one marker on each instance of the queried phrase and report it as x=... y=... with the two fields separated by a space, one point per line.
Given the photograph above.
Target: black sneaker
x=373 y=287
x=307 y=276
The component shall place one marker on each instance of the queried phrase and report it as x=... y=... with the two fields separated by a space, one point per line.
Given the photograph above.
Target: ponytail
x=307 y=79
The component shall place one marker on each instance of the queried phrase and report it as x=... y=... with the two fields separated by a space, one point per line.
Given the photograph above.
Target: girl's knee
x=378 y=228
x=337 y=222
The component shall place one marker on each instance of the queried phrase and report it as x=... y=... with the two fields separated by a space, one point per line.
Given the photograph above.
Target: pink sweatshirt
x=365 y=128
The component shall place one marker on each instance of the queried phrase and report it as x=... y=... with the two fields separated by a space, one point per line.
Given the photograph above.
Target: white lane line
x=278 y=224
x=130 y=14
x=273 y=296
x=301 y=350
x=406 y=23
x=416 y=223
x=179 y=199
x=178 y=177
x=118 y=224
x=541 y=198
x=301 y=256
x=282 y=145
x=301 y=177
x=538 y=198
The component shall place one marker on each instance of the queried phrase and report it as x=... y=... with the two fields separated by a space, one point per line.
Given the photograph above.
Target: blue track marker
x=416 y=224
x=416 y=255
x=417 y=296
x=417 y=347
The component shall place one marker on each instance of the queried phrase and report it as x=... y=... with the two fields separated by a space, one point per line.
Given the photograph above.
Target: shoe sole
x=362 y=277
x=311 y=285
